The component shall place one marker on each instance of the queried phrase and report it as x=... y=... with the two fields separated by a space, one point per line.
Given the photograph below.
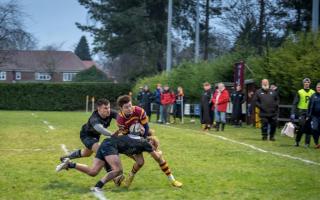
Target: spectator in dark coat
x=267 y=101
x=167 y=99
x=206 y=114
x=139 y=96
x=157 y=99
x=314 y=115
x=146 y=100
x=237 y=99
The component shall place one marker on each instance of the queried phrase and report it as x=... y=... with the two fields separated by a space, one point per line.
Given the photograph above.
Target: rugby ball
x=136 y=129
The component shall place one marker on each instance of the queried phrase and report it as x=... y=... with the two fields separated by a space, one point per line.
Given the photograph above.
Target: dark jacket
x=314 y=106
x=237 y=99
x=157 y=96
x=268 y=102
x=205 y=103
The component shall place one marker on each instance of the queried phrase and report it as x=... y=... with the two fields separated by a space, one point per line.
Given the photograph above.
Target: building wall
x=30 y=77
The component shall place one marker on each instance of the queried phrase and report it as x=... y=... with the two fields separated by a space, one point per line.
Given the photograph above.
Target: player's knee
x=93 y=173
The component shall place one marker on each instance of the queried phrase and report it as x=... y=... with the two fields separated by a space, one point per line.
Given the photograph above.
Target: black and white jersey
x=95 y=119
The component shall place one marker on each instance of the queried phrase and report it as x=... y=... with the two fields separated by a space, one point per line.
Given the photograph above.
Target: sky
x=53 y=22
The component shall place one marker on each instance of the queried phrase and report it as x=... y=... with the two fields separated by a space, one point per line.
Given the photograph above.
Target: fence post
x=87 y=103
x=92 y=100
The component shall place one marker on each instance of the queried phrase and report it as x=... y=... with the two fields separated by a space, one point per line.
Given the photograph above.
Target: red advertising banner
x=239 y=74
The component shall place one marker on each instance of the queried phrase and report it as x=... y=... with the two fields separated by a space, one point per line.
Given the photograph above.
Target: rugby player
x=128 y=116
x=90 y=133
x=108 y=152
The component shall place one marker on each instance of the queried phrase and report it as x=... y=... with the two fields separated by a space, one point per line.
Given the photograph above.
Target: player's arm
x=99 y=128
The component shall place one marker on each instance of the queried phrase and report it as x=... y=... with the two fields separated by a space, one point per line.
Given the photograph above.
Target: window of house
x=68 y=76
x=42 y=76
x=18 y=75
x=3 y=75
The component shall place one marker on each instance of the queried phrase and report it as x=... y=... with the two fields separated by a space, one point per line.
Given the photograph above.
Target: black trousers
x=303 y=128
x=266 y=123
x=315 y=126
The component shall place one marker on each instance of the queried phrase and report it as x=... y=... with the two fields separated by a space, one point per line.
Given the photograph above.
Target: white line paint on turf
x=51 y=127
x=250 y=146
x=99 y=195
x=21 y=150
x=64 y=149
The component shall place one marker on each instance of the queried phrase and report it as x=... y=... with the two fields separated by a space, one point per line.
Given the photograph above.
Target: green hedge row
x=56 y=96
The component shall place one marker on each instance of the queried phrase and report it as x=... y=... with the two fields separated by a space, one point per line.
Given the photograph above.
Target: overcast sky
x=53 y=21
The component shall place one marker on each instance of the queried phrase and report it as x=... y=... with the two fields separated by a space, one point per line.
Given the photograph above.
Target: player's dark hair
x=123 y=100
x=103 y=101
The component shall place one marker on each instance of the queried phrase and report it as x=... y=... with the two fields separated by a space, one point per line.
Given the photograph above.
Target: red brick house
x=39 y=66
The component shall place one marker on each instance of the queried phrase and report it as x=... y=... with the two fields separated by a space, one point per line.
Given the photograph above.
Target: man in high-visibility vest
x=299 y=111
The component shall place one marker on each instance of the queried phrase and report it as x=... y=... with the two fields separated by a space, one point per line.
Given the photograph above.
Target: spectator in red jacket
x=220 y=101
x=167 y=100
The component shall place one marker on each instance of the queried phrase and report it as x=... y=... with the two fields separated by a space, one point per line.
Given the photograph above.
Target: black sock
x=72 y=165
x=99 y=184
x=75 y=154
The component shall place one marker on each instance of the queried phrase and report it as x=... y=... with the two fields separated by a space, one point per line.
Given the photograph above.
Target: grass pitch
x=209 y=167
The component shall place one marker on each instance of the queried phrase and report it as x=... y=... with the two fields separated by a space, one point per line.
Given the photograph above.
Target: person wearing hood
x=267 y=101
x=314 y=114
x=299 y=111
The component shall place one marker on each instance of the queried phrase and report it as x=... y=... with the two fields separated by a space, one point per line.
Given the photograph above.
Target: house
x=39 y=66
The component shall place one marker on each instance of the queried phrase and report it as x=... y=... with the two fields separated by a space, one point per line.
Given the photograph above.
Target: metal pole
x=92 y=103
x=196 y=48
x=87 y=103
x=315 y=16
x=182 y=121
x=169 y=51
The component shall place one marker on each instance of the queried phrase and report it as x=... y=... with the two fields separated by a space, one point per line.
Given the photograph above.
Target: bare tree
x=12 y=33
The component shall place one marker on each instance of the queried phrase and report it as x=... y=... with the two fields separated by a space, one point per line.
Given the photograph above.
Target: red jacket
x=222 y=101
x=167 y=98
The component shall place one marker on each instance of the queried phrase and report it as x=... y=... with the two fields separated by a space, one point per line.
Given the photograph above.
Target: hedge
x=56 y=96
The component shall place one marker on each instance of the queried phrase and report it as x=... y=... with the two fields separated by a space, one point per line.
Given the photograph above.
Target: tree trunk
x=261 y=27
x=206 y=36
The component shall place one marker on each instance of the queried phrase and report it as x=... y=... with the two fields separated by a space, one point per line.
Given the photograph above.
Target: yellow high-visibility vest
x=304 y=98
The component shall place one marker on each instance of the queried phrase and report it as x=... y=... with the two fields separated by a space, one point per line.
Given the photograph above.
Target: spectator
x=237 y=99
x=178 y=112
x=139 y=96
x=157 y=96
x=299 y=111
x=146 y=99
x=206 y=114
x=167 y=98
x=314 y=114
x=267 y=101
x=220 y=101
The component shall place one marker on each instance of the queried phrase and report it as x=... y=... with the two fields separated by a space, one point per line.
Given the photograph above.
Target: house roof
x=89 y=63
x=41 y=61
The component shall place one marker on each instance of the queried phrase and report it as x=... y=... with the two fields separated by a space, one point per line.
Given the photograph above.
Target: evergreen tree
x=82 y=50
x=93 y=74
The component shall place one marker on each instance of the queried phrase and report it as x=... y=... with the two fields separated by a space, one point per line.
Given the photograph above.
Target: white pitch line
x=51 y=127
x=251 y=146
x=99 y=195
x=64 y=148
x=21 y=150
x=45 y=122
